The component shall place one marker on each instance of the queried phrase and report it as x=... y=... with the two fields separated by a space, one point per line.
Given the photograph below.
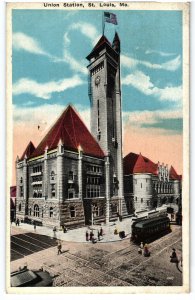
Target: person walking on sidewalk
x=87 y=236
x=54 y=232
x=59 y=247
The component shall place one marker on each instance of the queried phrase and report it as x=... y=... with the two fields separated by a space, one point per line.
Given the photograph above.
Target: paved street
x=115 y=263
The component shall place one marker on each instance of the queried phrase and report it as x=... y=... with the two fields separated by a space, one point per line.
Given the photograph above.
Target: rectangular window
x=21 y=191
x=141 y=200
x=148 y=203
x=53 y=190
x=141 y=185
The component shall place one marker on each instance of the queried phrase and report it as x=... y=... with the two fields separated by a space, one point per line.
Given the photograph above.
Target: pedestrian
x=146 y=251
x=87 y=236
x=142 y=245
x=59 y=247
x=91 y=235
x=98 y=234
x=64 y=229
x=17 y=222
x=54 y=232
x=94 y=240
x=101 y=231
x=173 y=257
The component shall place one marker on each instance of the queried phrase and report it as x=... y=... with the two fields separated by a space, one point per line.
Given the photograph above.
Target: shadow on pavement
x=29 y=243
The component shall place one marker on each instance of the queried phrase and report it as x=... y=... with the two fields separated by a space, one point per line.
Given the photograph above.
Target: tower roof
x=129 y=162
x=173 y=174
x=137 y=163
x=70 y=130
x=116 y=43
x=103 y=41
x=28 y=151
x=145 y=165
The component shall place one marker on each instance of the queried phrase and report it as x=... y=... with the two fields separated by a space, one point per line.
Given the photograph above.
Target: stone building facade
x=75 y=177
x=149 y=185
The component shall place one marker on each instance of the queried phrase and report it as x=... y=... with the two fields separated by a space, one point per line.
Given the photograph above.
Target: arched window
x=19 y=207
x=36 y=210
x=72 y=212
x=51 y=212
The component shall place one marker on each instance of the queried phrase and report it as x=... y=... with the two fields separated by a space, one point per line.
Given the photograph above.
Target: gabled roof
x=28 y=151
x=145 y=165
x=173 y=174
x=137 y=163
x=102 y=41
x=72 y=132
x=129 y=162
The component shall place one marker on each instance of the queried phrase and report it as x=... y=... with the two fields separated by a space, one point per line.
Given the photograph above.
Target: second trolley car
x=148 y=230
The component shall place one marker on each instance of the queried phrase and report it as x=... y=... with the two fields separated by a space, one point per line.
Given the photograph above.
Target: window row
x=37 y=212
x=94 y=169
x=36 y=178
x=93 y=191
x=37 y=169
x=93 y=180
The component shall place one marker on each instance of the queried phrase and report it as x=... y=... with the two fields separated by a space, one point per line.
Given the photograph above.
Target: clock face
x=97 y=80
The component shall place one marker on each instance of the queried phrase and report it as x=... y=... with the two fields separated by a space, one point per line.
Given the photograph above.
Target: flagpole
x=103 y=23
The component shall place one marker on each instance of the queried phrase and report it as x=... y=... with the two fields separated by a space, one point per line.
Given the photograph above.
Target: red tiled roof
x=103 y=40
x=13 y=191
x=129 y=162
x=70 y=129
x=173 y=174
x=134 y=163
x=28 y=151
x=145 y=165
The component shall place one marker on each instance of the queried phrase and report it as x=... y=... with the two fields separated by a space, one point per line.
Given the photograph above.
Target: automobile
x=32 y=278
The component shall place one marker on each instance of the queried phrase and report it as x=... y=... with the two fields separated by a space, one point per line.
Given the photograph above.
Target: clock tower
x=106 y=119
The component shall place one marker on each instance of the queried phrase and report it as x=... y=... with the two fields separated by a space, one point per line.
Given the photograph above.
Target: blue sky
x=49 y=65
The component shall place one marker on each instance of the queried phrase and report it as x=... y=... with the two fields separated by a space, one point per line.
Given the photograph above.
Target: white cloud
x=45 y=116
x=138 y=118
x=171 y=65
x=74 y=64
x=161 y=53
x=24 y=42
x=44 y=90
x=142 y=82
x=86 y=29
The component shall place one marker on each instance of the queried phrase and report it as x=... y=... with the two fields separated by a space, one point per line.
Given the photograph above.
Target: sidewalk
x=78 y=235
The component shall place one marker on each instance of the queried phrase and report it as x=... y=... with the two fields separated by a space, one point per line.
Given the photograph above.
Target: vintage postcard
x=97 y=147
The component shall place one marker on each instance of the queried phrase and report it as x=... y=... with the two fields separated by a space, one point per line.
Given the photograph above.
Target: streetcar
x=148 y=230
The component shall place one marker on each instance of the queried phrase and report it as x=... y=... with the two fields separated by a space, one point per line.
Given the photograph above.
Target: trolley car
x=150 y=229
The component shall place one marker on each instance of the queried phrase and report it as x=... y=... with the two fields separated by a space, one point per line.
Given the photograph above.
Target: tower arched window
x=36 y=210
x=19 y=207
x=21 y=180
